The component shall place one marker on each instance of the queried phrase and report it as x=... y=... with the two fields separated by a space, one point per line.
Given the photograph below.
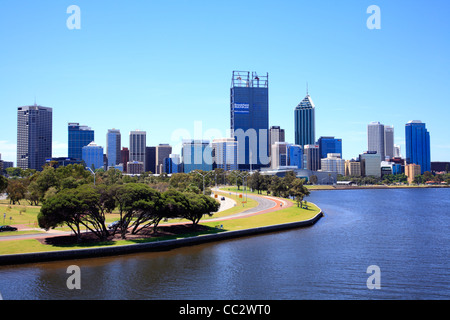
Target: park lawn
x=19 y=214
x=291 y=214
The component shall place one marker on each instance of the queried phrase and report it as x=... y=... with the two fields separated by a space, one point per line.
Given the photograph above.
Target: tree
x=255 y=181
x=3 y=183
x=298 y=191
x=200 y=205
x=82 y=206
x=62 y=208
x=313 y=179
x=175 y=205
x=136 y=200
x=16 y=190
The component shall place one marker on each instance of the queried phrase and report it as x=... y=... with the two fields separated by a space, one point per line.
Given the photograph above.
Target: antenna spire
x=307 y=91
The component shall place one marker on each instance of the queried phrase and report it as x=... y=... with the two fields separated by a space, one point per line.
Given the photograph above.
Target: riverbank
x=344 y=187
x=162 y=245
x=247 y=223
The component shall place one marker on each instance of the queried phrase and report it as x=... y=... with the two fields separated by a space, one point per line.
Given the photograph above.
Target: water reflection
x=394 y=229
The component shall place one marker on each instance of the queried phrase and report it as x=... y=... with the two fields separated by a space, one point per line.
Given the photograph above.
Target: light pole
x=244 y=176
x=92 y=173
x=203 y=176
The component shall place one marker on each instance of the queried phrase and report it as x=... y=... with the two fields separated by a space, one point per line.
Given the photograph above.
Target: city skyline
x=355 y=75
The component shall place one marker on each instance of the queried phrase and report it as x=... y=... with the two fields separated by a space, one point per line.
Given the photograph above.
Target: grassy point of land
x=281 y=216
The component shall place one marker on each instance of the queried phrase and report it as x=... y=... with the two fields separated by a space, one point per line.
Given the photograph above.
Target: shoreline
x=163 y=245
x=332 y=187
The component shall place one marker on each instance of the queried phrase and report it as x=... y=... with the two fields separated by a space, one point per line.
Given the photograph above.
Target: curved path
x=265 y=204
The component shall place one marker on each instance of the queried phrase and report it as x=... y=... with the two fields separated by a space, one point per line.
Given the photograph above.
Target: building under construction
x=249 y=115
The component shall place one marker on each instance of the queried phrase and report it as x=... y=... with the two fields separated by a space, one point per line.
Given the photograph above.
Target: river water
x=404 y=232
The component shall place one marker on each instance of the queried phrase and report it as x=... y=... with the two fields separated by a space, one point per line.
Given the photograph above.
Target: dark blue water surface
x=405 y=232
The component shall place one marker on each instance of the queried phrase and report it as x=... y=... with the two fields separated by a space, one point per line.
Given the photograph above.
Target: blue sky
x=163 y=66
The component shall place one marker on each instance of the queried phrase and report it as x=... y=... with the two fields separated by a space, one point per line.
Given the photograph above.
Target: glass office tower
x=305 y=122
x=113 y=145
x=92 y=155
x=79 y=136
x=329 y=145
x=197 y=155
x=249 y=110
x=418 y=145
x=34 y=136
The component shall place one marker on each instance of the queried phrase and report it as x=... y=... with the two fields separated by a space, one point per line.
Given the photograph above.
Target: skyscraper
x=279 y=154
x=162 y=151
x=389 y=142
x=92 y=155
x=370 y=164
x=138 y=140
x=225 y=153
x=34 y=136
x=150 y=159
x=329 y=145
x=113 y=145
x=197 y=155
x=375 y=138
x=311 y=157
x=249 y=110
x=79 y=136
x=305 y=123
x=295 y=156
x=418 y=145
x=276 y=134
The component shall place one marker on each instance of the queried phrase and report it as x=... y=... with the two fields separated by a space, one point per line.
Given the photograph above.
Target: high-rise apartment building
x=113 y=145
x=138 y=140
x=225 y=153
x=34 y=136
x=418 y=145
x=79 y=136
x=249 y=113
x=305 y=123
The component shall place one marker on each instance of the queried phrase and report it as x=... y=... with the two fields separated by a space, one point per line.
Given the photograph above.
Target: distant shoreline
x=333 y=187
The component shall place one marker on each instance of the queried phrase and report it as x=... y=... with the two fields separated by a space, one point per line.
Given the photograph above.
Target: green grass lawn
x=27 y=215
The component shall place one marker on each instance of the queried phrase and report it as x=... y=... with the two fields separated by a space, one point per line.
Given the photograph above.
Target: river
x=404 y=232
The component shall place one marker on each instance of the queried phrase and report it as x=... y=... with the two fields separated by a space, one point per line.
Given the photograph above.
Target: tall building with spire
x=305 y=122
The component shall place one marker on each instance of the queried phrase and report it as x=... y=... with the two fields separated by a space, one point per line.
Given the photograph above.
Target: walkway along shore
x=163 y=245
